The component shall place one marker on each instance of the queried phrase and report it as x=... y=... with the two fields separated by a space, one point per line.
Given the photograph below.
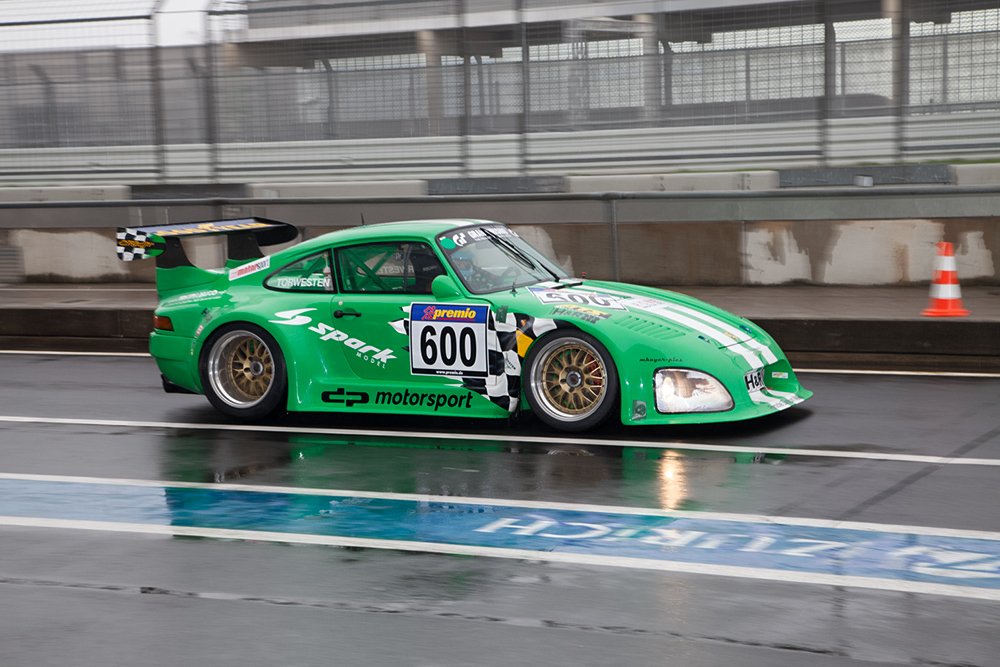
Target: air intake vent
x=646 y=327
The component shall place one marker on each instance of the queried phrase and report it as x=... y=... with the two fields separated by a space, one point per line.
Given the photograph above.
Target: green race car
x=442 y=317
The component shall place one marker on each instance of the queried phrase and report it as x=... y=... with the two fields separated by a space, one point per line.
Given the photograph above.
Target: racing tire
x=243 y=372
x=570 y=381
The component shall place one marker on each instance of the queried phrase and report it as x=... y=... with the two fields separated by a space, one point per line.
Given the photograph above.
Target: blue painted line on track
x=892 y=555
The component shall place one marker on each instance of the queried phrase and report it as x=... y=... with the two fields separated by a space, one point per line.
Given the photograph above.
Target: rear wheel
x=571 y=381
x=243 y=372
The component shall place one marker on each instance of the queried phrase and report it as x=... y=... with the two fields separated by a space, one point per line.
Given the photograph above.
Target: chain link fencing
x=279 y=90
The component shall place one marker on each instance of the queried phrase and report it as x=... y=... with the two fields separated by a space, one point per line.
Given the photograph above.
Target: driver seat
x=426 y=267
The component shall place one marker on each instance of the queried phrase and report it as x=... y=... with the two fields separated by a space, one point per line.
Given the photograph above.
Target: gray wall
x=884 y=236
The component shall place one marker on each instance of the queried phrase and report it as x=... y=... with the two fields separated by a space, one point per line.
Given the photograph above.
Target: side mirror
x=443 y=287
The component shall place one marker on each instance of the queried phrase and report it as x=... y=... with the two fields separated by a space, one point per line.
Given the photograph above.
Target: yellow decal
x=210 y=227
x=523 y=342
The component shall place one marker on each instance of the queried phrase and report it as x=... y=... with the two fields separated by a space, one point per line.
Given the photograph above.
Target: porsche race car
x=442 y=317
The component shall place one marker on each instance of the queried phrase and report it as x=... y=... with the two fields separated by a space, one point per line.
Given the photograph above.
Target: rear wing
x=244 y=239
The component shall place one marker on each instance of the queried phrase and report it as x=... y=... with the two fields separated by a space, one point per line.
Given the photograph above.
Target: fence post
x=211 y=135
x=466 y=86
x=829 y=82
x=51 y=109
x=331 y=101
x=897 y=10
x=156 y=82
x=611 y=213
x=525 y=89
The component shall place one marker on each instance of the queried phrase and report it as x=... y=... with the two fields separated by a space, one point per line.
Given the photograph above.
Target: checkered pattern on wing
x=125 y=253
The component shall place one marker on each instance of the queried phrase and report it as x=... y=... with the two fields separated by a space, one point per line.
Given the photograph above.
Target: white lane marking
x=430 y=435
x=839 y=371
x=77 y=354
x=77 y=290
x=783 y=576
x=522 y=504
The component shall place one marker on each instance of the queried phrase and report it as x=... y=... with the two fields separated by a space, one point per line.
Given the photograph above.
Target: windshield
x=490 y=258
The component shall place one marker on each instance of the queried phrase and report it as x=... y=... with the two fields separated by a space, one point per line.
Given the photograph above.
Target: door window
x=393 y=267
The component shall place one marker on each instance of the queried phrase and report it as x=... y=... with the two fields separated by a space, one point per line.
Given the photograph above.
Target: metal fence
x=277 y=90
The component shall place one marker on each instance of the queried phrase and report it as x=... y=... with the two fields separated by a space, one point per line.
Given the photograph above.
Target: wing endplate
x=136 y=244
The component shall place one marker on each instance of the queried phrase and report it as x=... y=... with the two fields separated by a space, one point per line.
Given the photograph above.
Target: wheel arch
x=568 y=325
x=538 y=345
x=239 y=377
x=244 y=317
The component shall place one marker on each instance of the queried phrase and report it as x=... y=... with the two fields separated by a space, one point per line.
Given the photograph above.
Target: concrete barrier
x=96 y=193
x=676 y=182
x=977 y=174
x=338 y=189
x=822 y=237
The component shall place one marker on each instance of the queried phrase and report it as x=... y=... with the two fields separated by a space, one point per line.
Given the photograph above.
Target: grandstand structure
x=351 y=90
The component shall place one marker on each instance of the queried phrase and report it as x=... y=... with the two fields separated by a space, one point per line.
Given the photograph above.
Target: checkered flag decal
x=506 y=342
x=133 y=244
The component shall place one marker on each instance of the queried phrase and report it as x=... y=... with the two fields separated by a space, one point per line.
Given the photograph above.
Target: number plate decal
x=754 y=380
x=564 y=297
x=448 y=339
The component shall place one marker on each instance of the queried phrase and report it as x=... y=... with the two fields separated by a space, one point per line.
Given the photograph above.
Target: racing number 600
x=449 y=339
x=450 y=345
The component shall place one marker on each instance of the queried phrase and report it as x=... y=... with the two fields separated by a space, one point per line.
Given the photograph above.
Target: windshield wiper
x=516 y=253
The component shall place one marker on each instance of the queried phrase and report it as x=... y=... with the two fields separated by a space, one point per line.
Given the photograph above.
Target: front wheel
x=243 y=372
x=571 y=381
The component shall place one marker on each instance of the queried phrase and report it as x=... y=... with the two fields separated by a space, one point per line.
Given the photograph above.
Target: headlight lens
x=684 y=390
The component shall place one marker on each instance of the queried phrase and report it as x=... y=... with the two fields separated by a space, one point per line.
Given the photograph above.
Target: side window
x=406 y=267
x=311 y=274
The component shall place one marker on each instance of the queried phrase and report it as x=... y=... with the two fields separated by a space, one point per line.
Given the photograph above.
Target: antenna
x=362 y=219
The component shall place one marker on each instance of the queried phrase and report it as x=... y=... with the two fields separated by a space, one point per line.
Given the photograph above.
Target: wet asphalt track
x=739 y=592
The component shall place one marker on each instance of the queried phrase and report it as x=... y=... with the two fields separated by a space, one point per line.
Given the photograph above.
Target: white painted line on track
x=839 y=371
x=781 y=576
x=479 y=437
x=522 y=504
x=77 y=354
x=77 y=290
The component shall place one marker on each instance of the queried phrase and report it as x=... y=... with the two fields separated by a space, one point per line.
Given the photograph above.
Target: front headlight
x=685 y=390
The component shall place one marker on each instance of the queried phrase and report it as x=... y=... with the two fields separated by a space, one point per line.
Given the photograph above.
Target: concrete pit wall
x=709 y=240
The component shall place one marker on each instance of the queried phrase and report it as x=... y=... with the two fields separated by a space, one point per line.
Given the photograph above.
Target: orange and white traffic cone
x=946 y=295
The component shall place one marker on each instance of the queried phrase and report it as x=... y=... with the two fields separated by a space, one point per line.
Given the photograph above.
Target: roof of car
x=421 y=228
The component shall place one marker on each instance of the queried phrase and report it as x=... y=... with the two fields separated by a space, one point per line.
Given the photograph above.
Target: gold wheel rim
x=573 y=380
x=241 y=369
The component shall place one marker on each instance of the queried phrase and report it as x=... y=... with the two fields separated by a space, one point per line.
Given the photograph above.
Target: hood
x=636 y=308
x=646 y=311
